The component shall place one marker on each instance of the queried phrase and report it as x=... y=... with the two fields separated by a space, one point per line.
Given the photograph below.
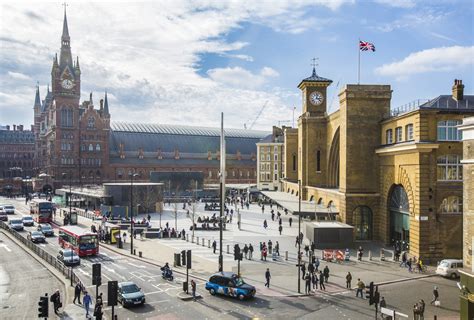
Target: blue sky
x=184 y=62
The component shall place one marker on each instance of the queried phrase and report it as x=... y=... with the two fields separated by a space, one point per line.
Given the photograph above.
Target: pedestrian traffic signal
x=96 y=275
x=183 y=258
x=112 y=288
x=236 y=252
x=369 y=293
x=43 y=311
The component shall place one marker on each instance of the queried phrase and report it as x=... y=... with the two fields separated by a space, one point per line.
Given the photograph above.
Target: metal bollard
x=382 y=254
x=370 y=255
x=228 y=251
x=134 y=252
x=187 y=237
x=197 y=240
x=203 y=242
x=140 y=254
x=192 y=239
x=286 y=255
x=208 y=243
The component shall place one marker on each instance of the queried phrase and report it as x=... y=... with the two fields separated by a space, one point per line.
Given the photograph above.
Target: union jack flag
x=366 y=46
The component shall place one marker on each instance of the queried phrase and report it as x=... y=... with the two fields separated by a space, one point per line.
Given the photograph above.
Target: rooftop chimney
x=458 y=90
x=8 y=127
x=20 y=127
x=14 y=127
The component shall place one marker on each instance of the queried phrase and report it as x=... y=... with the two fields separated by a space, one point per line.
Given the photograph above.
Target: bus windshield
x=87 y=242
x=45 y=206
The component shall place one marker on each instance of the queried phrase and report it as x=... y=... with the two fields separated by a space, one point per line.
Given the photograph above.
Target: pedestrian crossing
x=199 y=250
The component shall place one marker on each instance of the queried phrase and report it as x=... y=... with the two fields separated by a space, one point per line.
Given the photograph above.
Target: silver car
x=16 y=224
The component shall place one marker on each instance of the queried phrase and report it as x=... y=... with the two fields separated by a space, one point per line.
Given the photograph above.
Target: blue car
x=230 y=284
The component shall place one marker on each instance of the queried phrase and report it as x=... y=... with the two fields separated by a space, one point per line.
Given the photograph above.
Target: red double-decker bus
x=82 y=241
x=41 y=210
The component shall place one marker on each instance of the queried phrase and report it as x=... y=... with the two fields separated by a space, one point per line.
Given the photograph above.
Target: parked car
x=130 y=294
x=9 y=209
x=3 y=214
x=449 y=268
x=16 y=224
x=68 y=257
x=230 y=284
x=46 y=229
x=28 y=221
x=36 y=237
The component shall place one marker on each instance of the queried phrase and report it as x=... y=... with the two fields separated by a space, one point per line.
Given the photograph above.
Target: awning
x=290 y=202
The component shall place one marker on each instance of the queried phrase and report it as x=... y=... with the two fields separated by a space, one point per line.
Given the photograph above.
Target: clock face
x=67 y=84
x=316 y=98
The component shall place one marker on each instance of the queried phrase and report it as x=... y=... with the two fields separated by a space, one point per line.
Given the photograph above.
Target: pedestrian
x=321 y=281
x=303 y=269
x=316 y=264
x=289 y=220
x=297 y=241
x=56 y=300
x=306 y=249
x=314 y=279
x=360 y=253
x=148 y=217
x=348 y=280
x=193 y=289
x=265 y=224
x=422 y=309
x=435 y=296
x=250 y=251
x=124 y=237
x=307 y=279
x=360 y=288
x=246 y=250
x=280 y=221
x=77 y=292
x=326 y=274
x=270 y=246
x=277 y=248
x=99 y=300
x=264 y=252
x=268 y=276
x=313 y=247
x=263 y=209
x=273 y=215
x=382 y=304
x=404 y=259
x=409 y=263
x=280 y=228
x=214 y=246
x=98 y=312
x=87 y=300
x=310 y=267
x=416 y=312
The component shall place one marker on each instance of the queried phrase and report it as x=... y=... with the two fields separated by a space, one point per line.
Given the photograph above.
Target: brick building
x=79 y=139
x=16 y=152
x=270 y=160
x=393 y=175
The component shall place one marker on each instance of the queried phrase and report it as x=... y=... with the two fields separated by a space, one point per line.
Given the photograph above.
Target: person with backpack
x=56 y=300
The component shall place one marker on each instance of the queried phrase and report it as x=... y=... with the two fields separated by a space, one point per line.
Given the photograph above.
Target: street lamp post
x=70 y=191
x=132 y=175
x=299 y=238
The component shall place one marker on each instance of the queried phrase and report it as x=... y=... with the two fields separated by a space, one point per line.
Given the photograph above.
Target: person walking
x=246 y=250
x=303 y=270
x=360 y=253
x=416 y=312
x=77 y=292
x=321 y=281
x=290 y=221
x=297 y=241
x=316 y=264
x=268 y=276
x=263 y=209
x=261 y=251
x=277 y=248
x=193 y=289
x=214 y=246
x=326 y=274
x=99 y=300
x=264 y=252
x=314 y=280
x=265 y=224
x=422 y=309
x=360 y=288
x=87 y=300
x=124 y=237
x=270 y=246
x=382 y=304
x=435 y=295
x=280 y=228
x=56 y=300
x=348 y=280
x=250 y=251
x=404 y=259
x=98 y=312
x=409 y=264
x=307 y=279
x=310 y=267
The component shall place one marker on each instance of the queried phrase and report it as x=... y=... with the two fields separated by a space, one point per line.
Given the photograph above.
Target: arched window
x=389 y=136
x=409 y=132
x=91 y=147
x=451 y=204
x=362 y=221
x=83 y=147
x=320 y=201
x=449 y=168
x=399 y=208
x=91 y=122
x=318 y=161
x=97 y=147
x=294 y=162
x=448 y=131
x=311 y=199
x=66 y=118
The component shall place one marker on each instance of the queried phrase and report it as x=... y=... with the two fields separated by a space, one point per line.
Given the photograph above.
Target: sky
x=185 y=62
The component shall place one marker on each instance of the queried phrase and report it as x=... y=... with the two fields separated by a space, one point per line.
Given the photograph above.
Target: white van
x=449 y=268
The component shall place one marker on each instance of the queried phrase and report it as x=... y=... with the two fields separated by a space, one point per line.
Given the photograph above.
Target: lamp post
x=70 y=191
x=131 y=175
x=299 y=238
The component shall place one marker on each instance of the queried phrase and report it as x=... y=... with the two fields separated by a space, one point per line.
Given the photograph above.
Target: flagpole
x=358 y=73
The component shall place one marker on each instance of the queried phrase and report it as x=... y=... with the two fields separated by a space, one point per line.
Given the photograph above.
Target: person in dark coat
x=321 y=281
x=56 y=300
x=326 y=274
x=77 y=292
x=307 y=279
x=268 y=276
x=214 y=246
x=303 y=270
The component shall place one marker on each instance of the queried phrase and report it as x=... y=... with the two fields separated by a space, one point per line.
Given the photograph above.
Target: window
x=294 y=162
x=91 y=122
x=91 y=147
x=398 y=134
x=275 y=157
x=451 y=204
x=262 y=157
x=66 y=118
x=83 y=147
x=268 y=177
x=97 y=147
x=262 y=149
x=275 y=149
x=318 y=161
x=262 y=166
x=276 y=176
x=276 y=166
x=447 y=130
x=388 y=136
x=409 y=132
x=268 y=157
x=449 y=168
x=262 y=176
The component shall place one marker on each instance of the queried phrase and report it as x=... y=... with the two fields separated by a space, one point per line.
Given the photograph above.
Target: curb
x=188 y=297
x=405 y=279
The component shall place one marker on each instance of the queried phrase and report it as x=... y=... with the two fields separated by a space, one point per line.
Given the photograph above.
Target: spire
x=77 y=62
x=106 y=105
x=37 y=97
x=90 y=100
x=65 y=35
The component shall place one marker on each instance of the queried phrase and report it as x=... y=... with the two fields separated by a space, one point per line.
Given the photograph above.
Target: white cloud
x=241 y=78
x=18 y=76
x=241 y=57
x=430 y=60
x=398 y=3
x=414 y=20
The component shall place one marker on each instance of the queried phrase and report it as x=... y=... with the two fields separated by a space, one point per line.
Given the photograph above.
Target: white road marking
x=119 y=266
x=5 y=247
x=83 y=272
x=136 y=266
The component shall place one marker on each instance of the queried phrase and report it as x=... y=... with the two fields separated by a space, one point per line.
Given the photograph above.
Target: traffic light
x=236 y=252
x=43 y=311
x=96 y=276
x=369 y=293
x=183 y=257
x=112 y=288
x=188 y=259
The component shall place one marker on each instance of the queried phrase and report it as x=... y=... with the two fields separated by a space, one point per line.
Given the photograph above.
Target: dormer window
x=91 y=122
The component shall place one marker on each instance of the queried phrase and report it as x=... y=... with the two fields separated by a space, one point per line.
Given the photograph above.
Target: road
x=22 y=281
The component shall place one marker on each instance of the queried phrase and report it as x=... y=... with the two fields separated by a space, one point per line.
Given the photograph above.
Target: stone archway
x=333 y=163
x=399 y=215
